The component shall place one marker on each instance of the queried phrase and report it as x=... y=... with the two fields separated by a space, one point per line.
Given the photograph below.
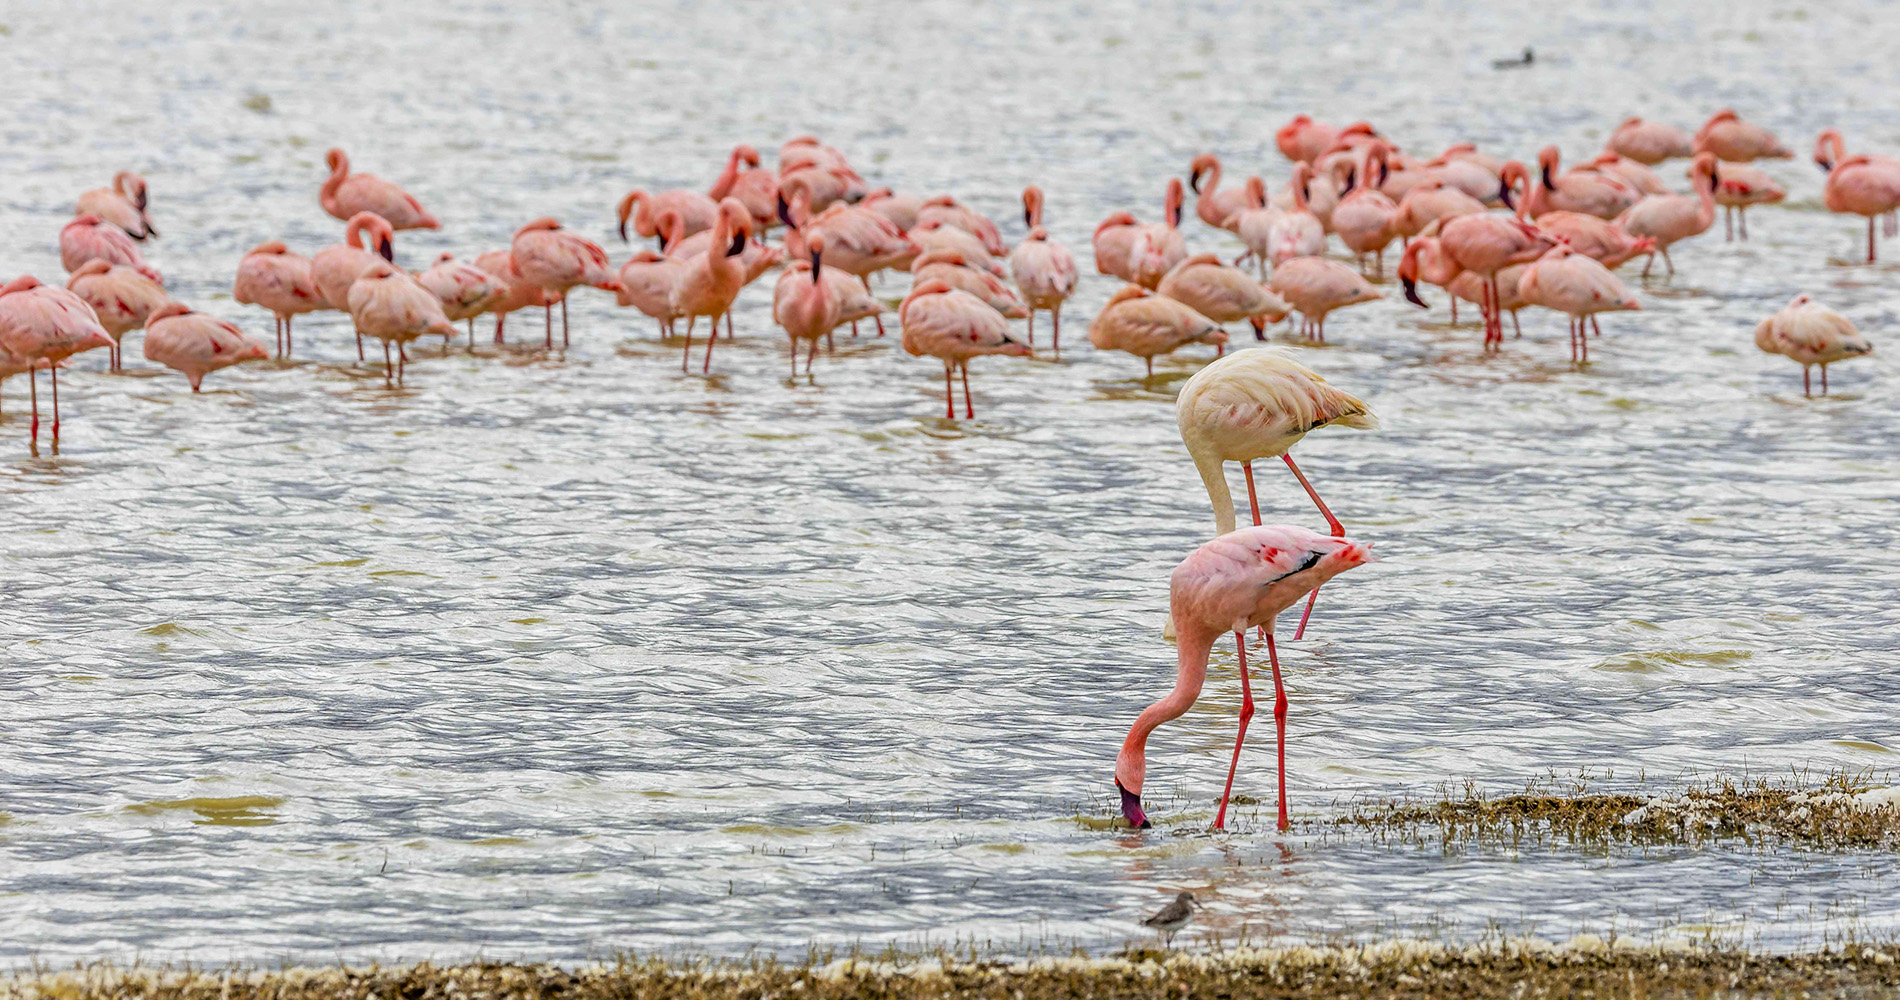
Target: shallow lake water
x=554 y=655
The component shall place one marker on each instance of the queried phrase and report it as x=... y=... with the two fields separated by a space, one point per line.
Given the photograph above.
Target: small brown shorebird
x=1174 y=916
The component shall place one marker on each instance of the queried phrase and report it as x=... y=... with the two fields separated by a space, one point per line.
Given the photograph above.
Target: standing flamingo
x=389 y=304
x=89 y=237
x=858 y=240
x=1741 y=186
x=1484 y=244
x=464 y=289
x=1043 y=269
x=41 y=326
x=1114 y=245
x=283 y=282
x=1578 y=287
x=950 y=267
x=650 y=282
x=1223 y=294
x=195 y=344
x=557 y=259
x=1863 y=185
x=337 y=266
x=713 y=279
x=345 y=195
x=521 y=294
x=1298 y=232
x=954 y=326
x=1592 y=192
x=1159 y=246
x=1214 y=206
x=1254 y=225
x=1239 y=581
x=1429 y=201
x=122 y=204
x=1811 y=334
x=695 y=211
x=120 y=297
x=1649 y=142
x=1594 y=237
x=756 y=189
x=1364 y=217
x=900 y=209
x=1317 y=286
x=1145 y=324
x=803 y=305
x=953 y=213
x=1730 y=138
x=1671 y=218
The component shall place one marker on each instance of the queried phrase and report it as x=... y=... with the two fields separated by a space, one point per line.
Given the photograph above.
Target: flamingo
x=1863 y=185
x=1215 y=207
x=283 y=282
x=465 y=290
x=389 y=304
x=1158 y=246
x=1730 y=138
x=933 y=235
x=1638 y=176
x=1241 y=580
x=1429 y=262
x=858 y=241
x=756 y=189
x=695 y=211
x=756 y=258
x=1298 y=232
x=650 y=282
x=1576 y=286
x=1364 y=217
x=950 y=267
x=1741 y=186
x=1461 y=166
x=1811 y=334
x=336 y=267
x=557 y=259
x=195 y=344
x=1830 y=148
x=953 y=213
x=346 y=195
x=1485 y=244
x=1671 y=218
x=1317 y=286
x=521 y=293
x=88 y=237
x=122 y=204
x=1592 y=192
x=1144 y=324
x=1593 y=237
x=121 y=298
x=40 y=327
x=1114 y=244
x=1649 y=142
x=803 y=305
x=1044 y=270
x=1429 y=201
x=1304 y=139
x=955 y=326
x=713 y=279
x=1223 y=294
x=900 y=209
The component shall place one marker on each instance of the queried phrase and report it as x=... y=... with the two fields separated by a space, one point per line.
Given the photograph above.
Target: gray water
x=548 y=656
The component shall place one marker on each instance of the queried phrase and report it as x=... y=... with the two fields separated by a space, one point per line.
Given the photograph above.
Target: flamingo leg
x=1332 y=523
x=879 y=320
x=1671 y=263
x=33 y=388
x=548 y=340
x=810 y=356
x=288 y=345
x=1151 y=366
x=854 y=328
x=1252 y=500
x=793 y=342
x=1454 y=310
x=1806 y=389
x=359 y=347
x=1246 y=714
x=1279 y=724
x=1570 y=326
x=277 y=330
x=712 y=338
x=402 y=363
x=1515 y=329
x=1032 y=328
x=563 y=321
x=687 y=358
x=387 y=366
x=1728 y=224
x=729 y=324
x=471 y=334
x=1741 y=216
x=54 y=372
x=949 y=394
x=1870 y=239
x=968 y=413
x=830 y=345
x=1595 y=330
x=1823 y=380
x=1055 y=329
x=500 y=318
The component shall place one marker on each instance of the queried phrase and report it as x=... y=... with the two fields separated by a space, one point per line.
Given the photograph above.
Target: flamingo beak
x=738 y=245
x=388 y=252
x=623 y=231
x=1026 y=217
x=1131 y=809
x=1826 y=167
x=1411 y=293
x=1549 y=181
x=785 y=213
x=1504 y=195
x=1194 y=182
x=817 y=266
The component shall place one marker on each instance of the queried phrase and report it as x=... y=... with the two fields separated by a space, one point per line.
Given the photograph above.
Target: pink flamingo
x=337 y=266
x=1241 y=580
x=1214 y=206
x=954 y=326
x=1811 y=334
x=1144 y=324
x=1593 y=237
x=40 y=327
x=1638 y=176
x=1114 y=245
x=1461 y=166
x=1592 y=192
x=1364 y=217
x=1863 y=185
x=1671 y=218
x=283 y=282
x=89 y=237
x=120 y=297
x=1298 y=232
x=1044 y=270
x=756 y=189
x=1830 y=148
x=857 y=240
x=1254 y=225
x=900 y=209
x=1649 y=142
x=953 y=213
x=557 y=259
x=695 y=211
x=389 y=304
x=756 y=258
x=1317 y=286
x=650 y=282
x=464 y=290
x=521 y=294
x=346 y=195
x=195 y=344
x=1741 y=186
x=1578 y=287
x=1159 y=246
x=950 y=267
x=122 y=204
x=1485 y=244
x=1730 y=138
x=1223 y=294
x=804 y=305
x=1429 y=201
x=1305 y=140
x=713 y=279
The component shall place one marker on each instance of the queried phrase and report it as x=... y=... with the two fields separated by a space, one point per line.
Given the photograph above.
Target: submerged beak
x=1131 y=809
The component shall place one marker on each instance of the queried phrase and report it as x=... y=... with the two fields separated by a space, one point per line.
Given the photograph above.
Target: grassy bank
x=1584 y=967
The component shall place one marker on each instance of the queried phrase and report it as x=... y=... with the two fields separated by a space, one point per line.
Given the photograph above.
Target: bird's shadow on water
x=1666 y=288
x=1162 y=385
x=947 y=429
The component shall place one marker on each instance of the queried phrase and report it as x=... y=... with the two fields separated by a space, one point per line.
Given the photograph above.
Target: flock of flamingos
x=1498 y=234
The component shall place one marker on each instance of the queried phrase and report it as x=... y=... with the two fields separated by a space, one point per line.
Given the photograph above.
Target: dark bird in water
x=1174 y=916
x=1519 y=63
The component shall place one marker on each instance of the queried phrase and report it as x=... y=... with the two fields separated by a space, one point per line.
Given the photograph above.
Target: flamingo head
x=1202 y=164
x=747 y=155
x=1704 y=166
x=1828 y=147
x=23 y=283
x=382 y=234
x=1115 y=219
x=337 y=160
x=85 y=219
x=1547 y=160
x=816 y=246
x=624 y=210
x=1172 y=202
x=1032 y=206
x=273 y=247
x=168 y=310
x=1408 y=270
x=1510 y=175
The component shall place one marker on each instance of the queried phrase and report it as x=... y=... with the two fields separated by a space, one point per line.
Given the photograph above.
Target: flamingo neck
x=353 y=234
x=1192 y=648
x=723 y=186
x=1214 y=477
x=327 y=195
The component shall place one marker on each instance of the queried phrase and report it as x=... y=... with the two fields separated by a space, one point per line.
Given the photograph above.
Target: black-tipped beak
x=1027 y=216
x=738 y=245
x=817 y=266
x=1411 y=293
x=150 y=230
x=1550 y=182
x=1194 y=182
x=388 y=252
x=1826 y=167
x=1352 y=177
x=1385 y=173
x=785 y=213
x=1174 y=217
x=1715 y=178
x=1306 y=191
x=1504 y=195
x=1259 y=327
x=659 y=240
x=623 y=231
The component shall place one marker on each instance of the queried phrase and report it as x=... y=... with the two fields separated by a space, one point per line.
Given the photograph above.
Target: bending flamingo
x=1649 y=142
x=121 y=298
x=387 y=303
x=1730 y=138
x=1223 y=294
x=40 y=327
x=345 y=195
x=195 y=344
x=1317 y=286
x=336 y=267
x=1214 y=206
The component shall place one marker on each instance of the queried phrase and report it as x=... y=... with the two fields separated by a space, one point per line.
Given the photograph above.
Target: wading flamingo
x=122 y=204
x=1811 y=334
x=387 y=303
x=1863 y=185
x=1114 y=244
x=336 y=267
x=465 y=290
x=1241 y=580
x=650 y=282
x=1578 y=287
x=1429 y=201
x=1317 y=286
x=1730 y=138
x=860 y=241
x=950 y=212
x=522 y=293
x=1297 y=232
x=1364 y=216
x=120 y=297
x=1593 y=237
x=1044 y=270
x=1485 y=244
x=803 y=305
x=1144 y=324
x=195 y=344
x=1254 y=225
x=558 y=260
x=1159 y=246
x=1223 y=294
x=900 y=209
x=345 y=195
x=695 y=211
x=954 y=326
x=1214 y=206
x=950 y=267
x=756 y=189
x=713 y=279
x=41 y=326
x=1257 y=404
x=1593 y=192
x=1741 y=186
x=280 y=281
x=1671 y=218
x=1649 y=142
x=89 y=237
x=1640 y=177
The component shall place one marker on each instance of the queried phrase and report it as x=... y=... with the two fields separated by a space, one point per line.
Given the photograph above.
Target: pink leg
x=968 y=413
x=1279 y=724
x=949 y=394
x=288 y=346
x=1823 y=380
x=1055 y=329
x=1338 y=531
x=879 y=319
x=548 y=340
x=33 y=389
x=1252 y=500
x=388 y=366
x=54 y=372
x=712 y=338
x=687 y=358
x=359 y=346
x=728 y=324
x=500 y=318
x=1246 y=714
x=563 y=321
x=1806 y=390
x=1032 y=328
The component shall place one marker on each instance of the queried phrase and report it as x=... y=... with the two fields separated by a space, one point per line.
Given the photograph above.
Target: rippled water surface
x=551 y=656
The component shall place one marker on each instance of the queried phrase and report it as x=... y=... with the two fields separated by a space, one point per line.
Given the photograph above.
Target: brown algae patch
x=1585 y=966
x=1842 y=812
x=237 y=810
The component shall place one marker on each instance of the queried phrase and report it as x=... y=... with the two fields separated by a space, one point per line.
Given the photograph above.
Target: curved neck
x=1214 y=477
x=353 y=234
x=723 y=186
x=327 y=195
x=1193 y=645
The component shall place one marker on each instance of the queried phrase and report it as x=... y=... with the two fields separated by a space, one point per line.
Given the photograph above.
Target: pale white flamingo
x=1811 y=334
x=650 y=282
x=464 y=289
x=1730 y=138
x=1649 y=142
